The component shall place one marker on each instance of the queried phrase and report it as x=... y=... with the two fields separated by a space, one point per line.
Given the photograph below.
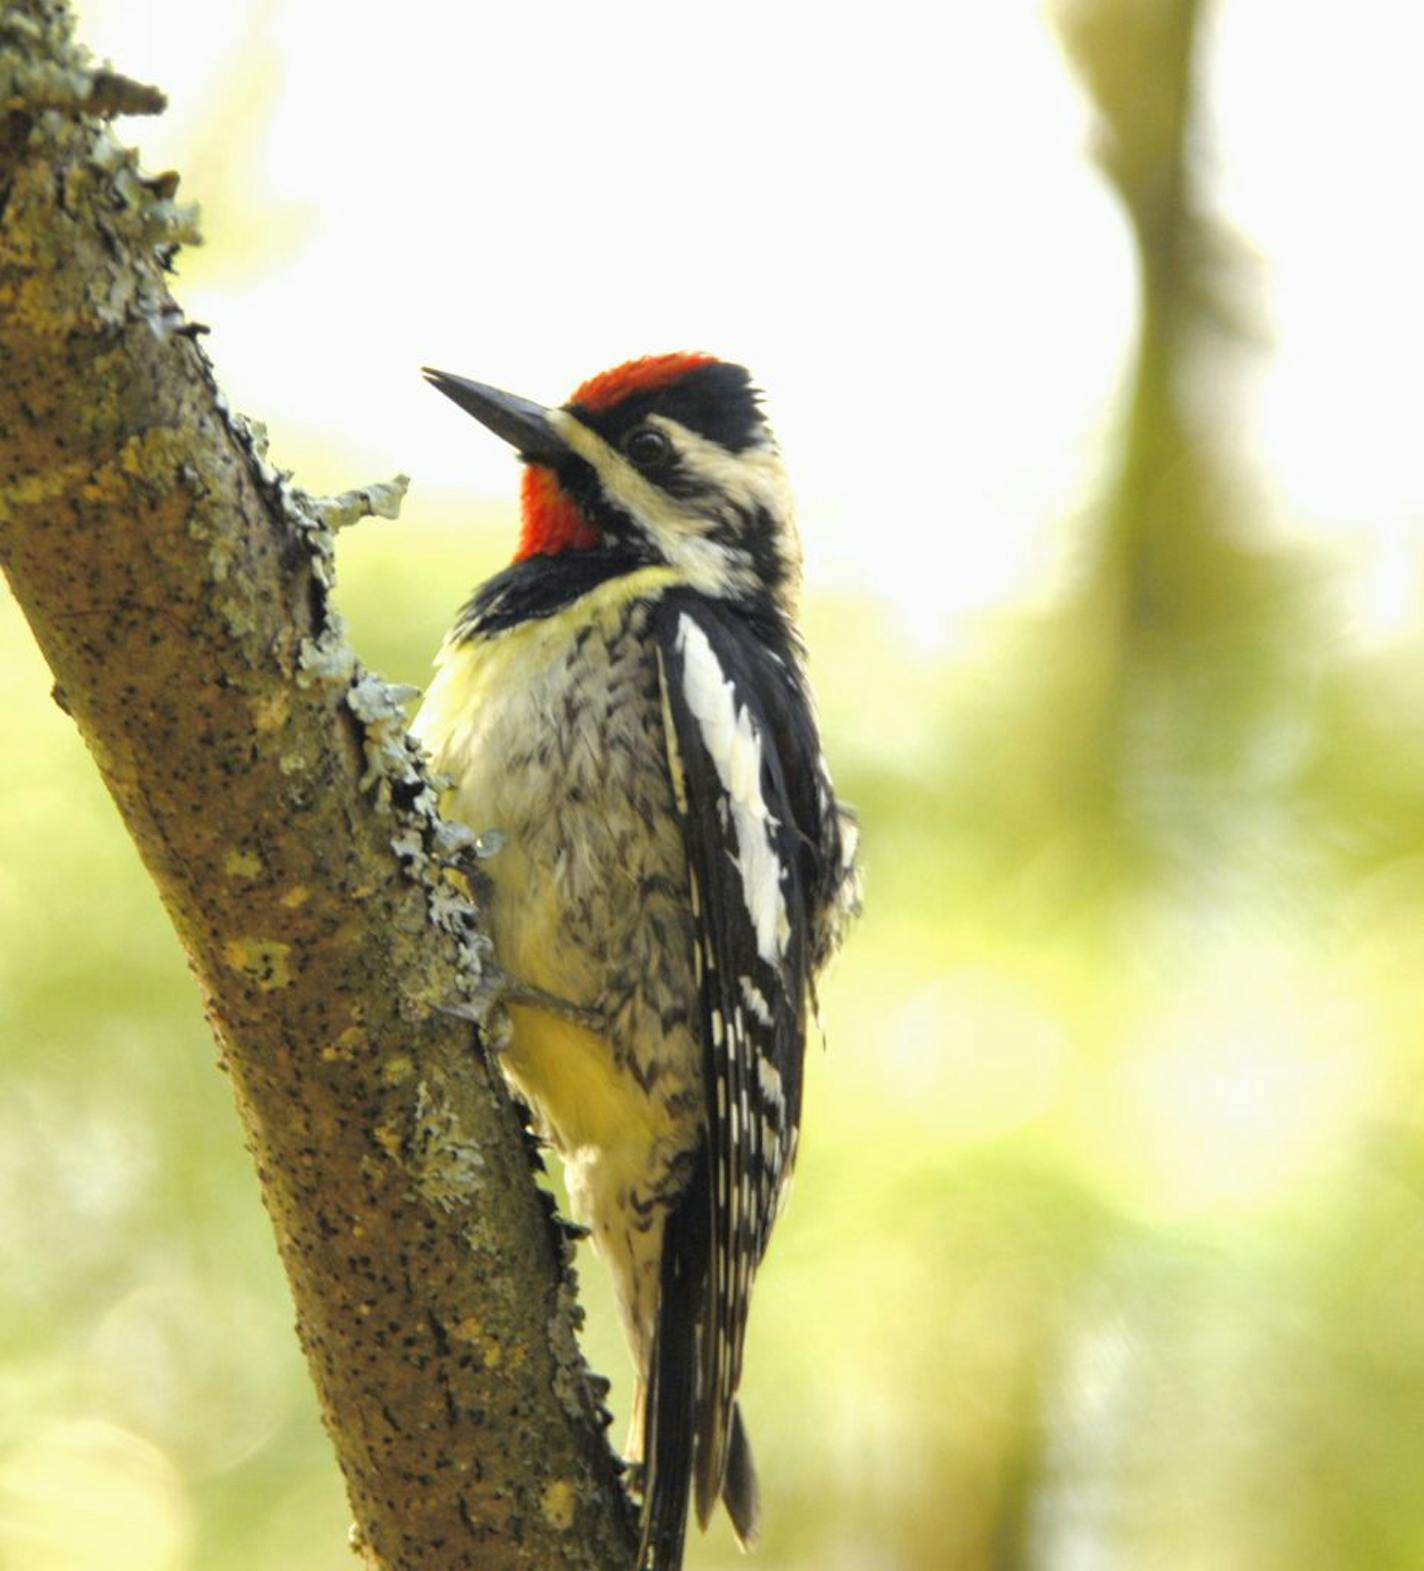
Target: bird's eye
x=646 y=446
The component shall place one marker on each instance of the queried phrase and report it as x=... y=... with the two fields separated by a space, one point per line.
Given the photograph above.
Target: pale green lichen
x=570 y=1372
x=441 y=1156
x=170 y=223
x=391 y=756
x=381 y=500
x=50 y=80
x=63 y=78
x=326 y=661
x=451 y=836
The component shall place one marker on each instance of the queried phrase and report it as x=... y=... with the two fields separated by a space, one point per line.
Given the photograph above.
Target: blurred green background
x=1107 y=1242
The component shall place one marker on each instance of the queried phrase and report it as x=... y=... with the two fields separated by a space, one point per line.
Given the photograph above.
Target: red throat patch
x=552 y=523
x=636 y=376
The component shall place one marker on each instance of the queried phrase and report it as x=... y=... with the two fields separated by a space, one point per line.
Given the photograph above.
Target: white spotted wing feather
x=766 y=865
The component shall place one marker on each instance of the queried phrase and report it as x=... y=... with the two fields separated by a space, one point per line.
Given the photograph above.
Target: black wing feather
x=753 y=982
x=673 y=1377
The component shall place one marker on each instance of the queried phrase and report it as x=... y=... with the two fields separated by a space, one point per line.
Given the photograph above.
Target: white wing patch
x=755 y=1000
x=735 y=747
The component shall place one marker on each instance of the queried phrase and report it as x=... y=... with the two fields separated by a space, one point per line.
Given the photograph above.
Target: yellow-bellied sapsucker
x=627 y=703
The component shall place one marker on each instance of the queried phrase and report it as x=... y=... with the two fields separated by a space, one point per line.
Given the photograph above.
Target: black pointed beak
x=524 y=425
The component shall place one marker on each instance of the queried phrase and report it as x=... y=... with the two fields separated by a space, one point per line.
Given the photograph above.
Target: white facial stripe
x=753 y=478
x=735 y=748
x=681 y=530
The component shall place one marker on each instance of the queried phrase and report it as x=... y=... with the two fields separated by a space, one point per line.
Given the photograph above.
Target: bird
x=626 y=706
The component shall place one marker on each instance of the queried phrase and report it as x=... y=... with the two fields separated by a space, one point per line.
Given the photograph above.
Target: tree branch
x=179 y=589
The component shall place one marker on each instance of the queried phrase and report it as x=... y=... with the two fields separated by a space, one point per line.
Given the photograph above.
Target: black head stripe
x=717 y=401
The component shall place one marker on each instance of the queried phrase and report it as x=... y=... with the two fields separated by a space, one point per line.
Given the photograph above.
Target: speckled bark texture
x=179 y=589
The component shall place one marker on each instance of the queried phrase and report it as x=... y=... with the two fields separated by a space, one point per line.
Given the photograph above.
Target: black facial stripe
x=717 y=401
x=754 y=532
x=681 y=482
x=758 y=538
x=580 y=483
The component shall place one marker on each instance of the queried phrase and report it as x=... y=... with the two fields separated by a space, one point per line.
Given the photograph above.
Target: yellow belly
x=569 y=1074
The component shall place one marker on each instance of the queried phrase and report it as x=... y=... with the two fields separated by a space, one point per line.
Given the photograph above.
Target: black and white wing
x=749 y=782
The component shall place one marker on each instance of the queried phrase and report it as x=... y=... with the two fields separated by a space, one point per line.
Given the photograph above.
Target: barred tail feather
x=671 y=1401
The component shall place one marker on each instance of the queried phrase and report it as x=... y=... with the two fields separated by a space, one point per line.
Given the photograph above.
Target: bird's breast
x=552 y=733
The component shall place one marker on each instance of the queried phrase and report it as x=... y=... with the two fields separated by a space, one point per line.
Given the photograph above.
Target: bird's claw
x=490 y=1011
x=536 y=998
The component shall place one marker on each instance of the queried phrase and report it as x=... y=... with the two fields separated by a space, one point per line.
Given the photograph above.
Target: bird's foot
x=490 y=1011
x=536 y=998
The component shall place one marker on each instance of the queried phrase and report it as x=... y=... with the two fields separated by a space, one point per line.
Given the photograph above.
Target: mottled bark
x=179 y=590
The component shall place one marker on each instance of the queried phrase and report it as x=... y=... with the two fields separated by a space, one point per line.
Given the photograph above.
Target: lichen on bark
x=180 y=589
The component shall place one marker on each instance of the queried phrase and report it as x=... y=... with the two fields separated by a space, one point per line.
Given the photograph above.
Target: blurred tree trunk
x=179 y=590
x=1144 y=732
